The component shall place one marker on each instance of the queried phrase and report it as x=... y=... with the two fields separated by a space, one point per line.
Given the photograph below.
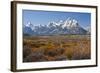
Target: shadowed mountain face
x=69 y=26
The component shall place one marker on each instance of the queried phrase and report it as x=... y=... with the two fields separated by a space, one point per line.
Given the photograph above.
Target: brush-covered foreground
x=56 y=48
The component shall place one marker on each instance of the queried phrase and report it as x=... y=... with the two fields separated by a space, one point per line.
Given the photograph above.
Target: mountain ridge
x=69 y=26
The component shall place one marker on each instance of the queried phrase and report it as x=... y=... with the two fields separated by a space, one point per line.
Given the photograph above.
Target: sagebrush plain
x=56 y=48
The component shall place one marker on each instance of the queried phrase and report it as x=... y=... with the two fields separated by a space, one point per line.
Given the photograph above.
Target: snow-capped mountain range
x=69 y=26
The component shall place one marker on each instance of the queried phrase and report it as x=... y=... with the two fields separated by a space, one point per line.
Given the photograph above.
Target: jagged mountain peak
x=29 y=24
x=70 y=23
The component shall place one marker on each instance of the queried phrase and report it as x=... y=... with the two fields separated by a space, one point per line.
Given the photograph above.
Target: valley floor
x=56 y=48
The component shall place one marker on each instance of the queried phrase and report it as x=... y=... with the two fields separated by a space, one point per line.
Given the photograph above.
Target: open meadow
x=56 y=48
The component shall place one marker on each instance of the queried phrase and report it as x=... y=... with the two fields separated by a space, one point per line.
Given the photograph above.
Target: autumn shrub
x=34 y=57
x=61 y=58
x=69 y=53
x=26 y=51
